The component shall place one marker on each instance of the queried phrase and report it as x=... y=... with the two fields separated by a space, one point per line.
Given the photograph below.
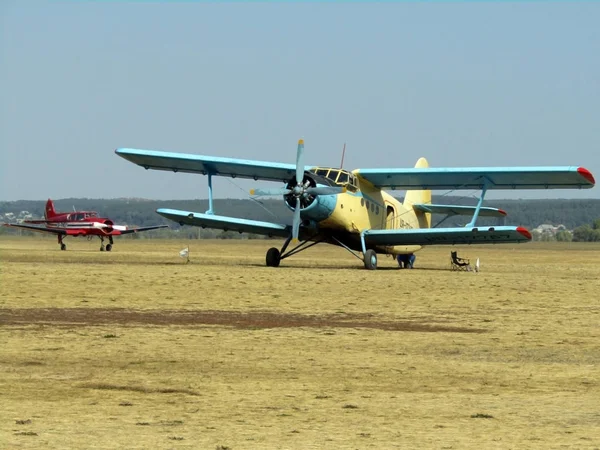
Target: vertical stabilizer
x=50 y=212
x=419 y=197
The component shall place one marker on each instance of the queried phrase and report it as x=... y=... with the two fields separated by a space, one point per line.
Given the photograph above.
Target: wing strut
x=210 y=195
x=479 y=203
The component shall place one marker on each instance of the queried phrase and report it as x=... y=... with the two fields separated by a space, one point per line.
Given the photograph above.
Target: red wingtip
x=586 y=174
x=501 y=211
x=525 y=232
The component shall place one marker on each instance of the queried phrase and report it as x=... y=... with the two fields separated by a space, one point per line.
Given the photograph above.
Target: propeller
x=277 y=191
x=320 y=190
x=298 y=190
x=301 y=191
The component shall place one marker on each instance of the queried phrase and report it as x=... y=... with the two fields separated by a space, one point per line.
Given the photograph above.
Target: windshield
x=337 y=176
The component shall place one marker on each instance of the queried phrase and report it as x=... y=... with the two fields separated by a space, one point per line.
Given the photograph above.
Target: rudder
x=49 y=212
x=419 y=197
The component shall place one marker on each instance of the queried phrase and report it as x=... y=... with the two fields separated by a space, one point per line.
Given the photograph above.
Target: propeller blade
x=296 y=222
x=325 y=190
x=277 y=191
x=300 y=162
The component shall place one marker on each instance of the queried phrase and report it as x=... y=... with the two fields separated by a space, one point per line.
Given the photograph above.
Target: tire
x=370 y=260
x=102 y=248
x=109 y=247
x=63 y=247
x=273 y=257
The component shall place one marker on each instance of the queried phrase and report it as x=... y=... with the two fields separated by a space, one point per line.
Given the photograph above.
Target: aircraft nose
x=321 y=209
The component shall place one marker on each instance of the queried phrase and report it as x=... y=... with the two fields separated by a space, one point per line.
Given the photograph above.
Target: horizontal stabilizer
x=189 y=163
x=456 y=210
x=225 y=223
x=475 y=177
x=448 y=236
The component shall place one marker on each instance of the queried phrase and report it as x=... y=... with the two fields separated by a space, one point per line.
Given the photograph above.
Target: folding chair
x=457 y=263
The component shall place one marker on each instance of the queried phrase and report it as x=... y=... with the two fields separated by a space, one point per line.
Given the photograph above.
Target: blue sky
x=461 y=83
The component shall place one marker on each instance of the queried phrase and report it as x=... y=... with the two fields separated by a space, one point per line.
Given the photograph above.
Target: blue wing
x=225 y=223
x=231 y=167
x=449 y=236
x=474 y=178
x=456 y=210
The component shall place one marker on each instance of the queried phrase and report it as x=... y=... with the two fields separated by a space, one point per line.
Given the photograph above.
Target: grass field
x=136 y=349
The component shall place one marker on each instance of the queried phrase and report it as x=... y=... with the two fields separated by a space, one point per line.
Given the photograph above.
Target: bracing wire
x=252 y=198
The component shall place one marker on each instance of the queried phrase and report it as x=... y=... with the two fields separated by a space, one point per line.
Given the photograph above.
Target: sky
x=461 y=83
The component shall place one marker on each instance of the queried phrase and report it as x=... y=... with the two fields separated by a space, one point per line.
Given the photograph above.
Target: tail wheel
x=370 y=260
x=273 y=257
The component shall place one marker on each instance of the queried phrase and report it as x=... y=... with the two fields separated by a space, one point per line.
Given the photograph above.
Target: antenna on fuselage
x=343 y=153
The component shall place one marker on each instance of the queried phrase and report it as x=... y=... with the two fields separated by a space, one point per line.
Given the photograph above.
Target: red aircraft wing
x=39 y=229
x=135 y=230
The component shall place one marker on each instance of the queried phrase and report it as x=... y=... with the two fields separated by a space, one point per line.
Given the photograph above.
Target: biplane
x=78 y=223
x=351 y=209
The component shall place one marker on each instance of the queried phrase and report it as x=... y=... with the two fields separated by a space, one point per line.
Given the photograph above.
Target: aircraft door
x=390 y=217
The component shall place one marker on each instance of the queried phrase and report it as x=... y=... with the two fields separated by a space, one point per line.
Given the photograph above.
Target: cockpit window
x=337 y=176
x=333 y=174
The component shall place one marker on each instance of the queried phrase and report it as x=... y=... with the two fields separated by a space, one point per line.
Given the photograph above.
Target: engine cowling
x=305 y=199
x=108 y=226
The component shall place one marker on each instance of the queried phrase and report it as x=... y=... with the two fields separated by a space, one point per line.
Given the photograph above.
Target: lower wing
x=448 y=236
x=225 y=223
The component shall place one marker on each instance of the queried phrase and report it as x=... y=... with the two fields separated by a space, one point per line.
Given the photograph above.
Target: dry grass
x=135 y=349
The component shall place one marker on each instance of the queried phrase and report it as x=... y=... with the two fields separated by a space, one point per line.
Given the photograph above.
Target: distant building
x=549 y=229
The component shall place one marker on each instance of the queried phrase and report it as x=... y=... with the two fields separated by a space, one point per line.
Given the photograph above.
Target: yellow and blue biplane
x=352 y=210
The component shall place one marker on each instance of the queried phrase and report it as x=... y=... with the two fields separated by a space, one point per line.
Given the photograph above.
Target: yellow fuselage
x=370 y=208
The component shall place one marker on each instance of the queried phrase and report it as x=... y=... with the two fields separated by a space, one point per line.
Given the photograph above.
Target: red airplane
x=79 y=223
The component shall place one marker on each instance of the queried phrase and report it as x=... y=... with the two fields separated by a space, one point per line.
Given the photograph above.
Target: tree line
x=580 y=216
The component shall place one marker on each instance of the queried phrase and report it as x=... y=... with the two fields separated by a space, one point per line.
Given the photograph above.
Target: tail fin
x=50 y=212
x=418 y=197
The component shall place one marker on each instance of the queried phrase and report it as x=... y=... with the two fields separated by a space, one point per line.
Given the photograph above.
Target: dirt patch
x=242 y=320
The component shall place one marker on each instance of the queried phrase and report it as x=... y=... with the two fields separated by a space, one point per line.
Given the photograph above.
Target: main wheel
x=370 y=260
x=273 y=257
x=109 y=247
x=102 y=248
x=63 y=247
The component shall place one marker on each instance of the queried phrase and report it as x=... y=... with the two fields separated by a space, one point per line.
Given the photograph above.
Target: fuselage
x=80 y=223
x=361 y=207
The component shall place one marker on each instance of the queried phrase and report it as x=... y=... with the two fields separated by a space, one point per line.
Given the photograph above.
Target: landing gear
x=63 y=247
x=273 y=257
x=109 y=247
x=101 y=243
x=370 y=259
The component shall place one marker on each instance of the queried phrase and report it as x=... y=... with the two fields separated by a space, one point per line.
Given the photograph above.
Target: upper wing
x=455 y=210
x=225 y=223
x=474 y=178
x=185 y=162
x=39 y=229
x=450 y=236
x=136 y=230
